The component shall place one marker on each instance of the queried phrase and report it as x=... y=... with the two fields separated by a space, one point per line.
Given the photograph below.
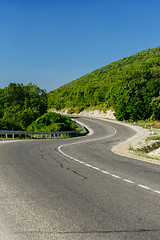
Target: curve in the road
x=101 y=170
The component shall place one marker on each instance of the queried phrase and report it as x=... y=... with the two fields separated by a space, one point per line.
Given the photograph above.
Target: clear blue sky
x=52 y=42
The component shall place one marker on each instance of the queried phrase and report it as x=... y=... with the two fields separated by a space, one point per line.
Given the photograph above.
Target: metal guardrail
x=39 y=134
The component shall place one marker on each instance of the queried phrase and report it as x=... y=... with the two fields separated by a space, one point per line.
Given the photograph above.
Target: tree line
x=130 y=86
x=25 y=107
x=20 y=105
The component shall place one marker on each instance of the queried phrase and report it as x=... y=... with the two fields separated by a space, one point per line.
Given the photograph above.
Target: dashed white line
x=126 y=180
x=156 y=191
x=98 y=169
x=145 y=187
x=115 y=176
x=105 y=172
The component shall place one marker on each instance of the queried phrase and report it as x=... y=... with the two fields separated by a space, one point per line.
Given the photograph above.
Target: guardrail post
x=13 y=135
x=153 y=132
x=6 y=135
x=31 y=135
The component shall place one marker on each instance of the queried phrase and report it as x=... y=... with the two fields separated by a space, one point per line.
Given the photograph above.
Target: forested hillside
x=130 y=86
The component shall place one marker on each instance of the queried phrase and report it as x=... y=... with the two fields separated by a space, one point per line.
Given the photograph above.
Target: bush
x=52 y=122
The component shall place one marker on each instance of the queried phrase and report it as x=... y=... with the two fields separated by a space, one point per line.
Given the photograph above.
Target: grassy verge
x=148 y=124
x=145 y=156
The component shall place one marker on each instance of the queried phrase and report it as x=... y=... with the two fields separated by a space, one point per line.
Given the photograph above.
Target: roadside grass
x=145 y=156
x=148 y=124
x=82 y=133
x=156 y=138
x=5 y=139
x=144 y=150
x=131 y=148
x=141 y=154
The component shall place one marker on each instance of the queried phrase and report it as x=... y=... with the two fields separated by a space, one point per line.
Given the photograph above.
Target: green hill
x=131 y=86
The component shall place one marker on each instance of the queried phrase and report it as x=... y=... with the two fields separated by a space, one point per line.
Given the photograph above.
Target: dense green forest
x=130 y=86
x=20 y=105
x=24 y=107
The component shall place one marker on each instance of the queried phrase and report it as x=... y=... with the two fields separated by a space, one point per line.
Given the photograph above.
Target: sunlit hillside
x=131 y=86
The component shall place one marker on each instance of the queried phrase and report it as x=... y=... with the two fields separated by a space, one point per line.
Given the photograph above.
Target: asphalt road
x=78 y=189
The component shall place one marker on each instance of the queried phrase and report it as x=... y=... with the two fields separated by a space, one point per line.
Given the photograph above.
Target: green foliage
x=156 y=138
x=155 y=104
x=131 y=148
x=20 y=105
x=52 y=122
x=75 y=110
x=130 y=86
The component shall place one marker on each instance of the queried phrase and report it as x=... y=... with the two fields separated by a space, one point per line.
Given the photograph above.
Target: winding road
x=62 y=189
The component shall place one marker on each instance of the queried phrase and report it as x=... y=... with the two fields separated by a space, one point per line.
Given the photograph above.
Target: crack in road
x=91 y=232
x=62 y=166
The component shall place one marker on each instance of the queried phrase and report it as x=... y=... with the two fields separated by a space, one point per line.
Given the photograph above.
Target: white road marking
x=95 y=168
x=88 y=165
x=115 y=176
x=126 y=180
x=105 y=172
x=98 y=169
x=145 y=187
x=156 y=191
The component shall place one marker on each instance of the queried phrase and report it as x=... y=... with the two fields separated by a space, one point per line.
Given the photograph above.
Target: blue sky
x=52 y=42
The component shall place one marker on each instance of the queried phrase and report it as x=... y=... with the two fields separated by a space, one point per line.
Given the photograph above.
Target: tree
x=22 y=104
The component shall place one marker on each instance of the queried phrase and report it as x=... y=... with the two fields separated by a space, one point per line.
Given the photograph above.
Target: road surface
x=78 y=189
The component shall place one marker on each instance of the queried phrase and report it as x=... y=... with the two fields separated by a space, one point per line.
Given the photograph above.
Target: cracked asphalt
x=45 y=195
